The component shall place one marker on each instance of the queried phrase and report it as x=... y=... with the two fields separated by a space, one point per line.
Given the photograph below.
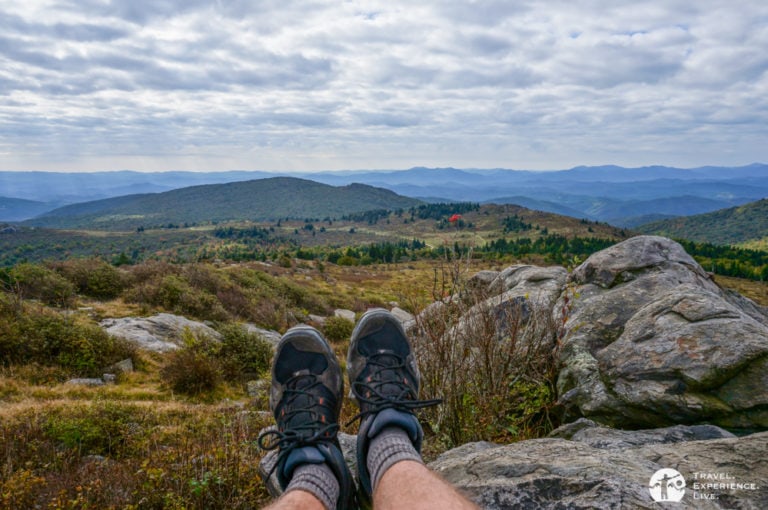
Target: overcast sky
x=323 y=85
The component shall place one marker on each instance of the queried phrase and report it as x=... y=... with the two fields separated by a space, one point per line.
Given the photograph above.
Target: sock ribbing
x=319 y=480
x=389 y=447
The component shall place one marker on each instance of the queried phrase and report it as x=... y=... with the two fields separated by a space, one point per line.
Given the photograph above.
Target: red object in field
x=454 y=218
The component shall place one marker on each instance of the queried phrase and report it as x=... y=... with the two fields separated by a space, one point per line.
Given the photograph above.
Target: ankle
x=387 y=448
x=318 y=480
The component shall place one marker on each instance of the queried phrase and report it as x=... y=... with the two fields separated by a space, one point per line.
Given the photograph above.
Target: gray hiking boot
x=384 y=380
x=305 y=398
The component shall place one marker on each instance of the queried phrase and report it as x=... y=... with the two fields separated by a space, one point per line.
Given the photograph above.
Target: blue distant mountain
x=605 y=193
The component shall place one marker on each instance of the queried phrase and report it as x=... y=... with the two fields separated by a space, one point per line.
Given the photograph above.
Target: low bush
x=92 y=277
x=193 y=369
x=203 y=363
x=33 y=281
x=52 y=339
x=338 y=329
x=243 y=355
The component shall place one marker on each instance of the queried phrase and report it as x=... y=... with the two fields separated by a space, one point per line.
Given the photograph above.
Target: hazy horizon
x=328 y=86
x=373 y=170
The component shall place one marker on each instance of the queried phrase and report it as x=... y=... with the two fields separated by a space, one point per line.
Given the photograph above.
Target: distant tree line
x=729 y=260
x=371 y=217
x=441 y=210
x=515 y=223
x=557 y=249
x=243 y=233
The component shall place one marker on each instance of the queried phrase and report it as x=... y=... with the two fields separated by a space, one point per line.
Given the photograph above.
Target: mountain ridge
x=262 y=199
x=578 y=189
x=740 y=224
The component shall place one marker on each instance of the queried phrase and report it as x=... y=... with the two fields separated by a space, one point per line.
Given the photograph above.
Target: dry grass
x=756 y=291
x=65 y=448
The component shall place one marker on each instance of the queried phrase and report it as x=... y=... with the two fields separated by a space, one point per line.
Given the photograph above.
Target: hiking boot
x=384 y=380
x=305 y=398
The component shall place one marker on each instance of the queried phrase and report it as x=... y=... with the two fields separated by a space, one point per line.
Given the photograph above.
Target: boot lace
x=387 y=388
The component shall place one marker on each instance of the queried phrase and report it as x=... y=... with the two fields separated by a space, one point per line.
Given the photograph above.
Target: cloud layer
x=310 y=85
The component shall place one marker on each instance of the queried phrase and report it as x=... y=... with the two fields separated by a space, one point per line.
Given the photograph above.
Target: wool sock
x=319 y=480
x=389 y=447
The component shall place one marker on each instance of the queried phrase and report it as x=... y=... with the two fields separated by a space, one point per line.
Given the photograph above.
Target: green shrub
x=203 y=362
x=92 y=277
x=175 y=294
x=195 y=368
x=191 y=373
x=37 y=282
x=51 y=339
x=243 y=355
x=338 y=329
x=100 y=429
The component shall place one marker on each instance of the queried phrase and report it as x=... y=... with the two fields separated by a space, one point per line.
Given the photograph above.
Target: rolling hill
x=257 y=200
x=734 y=225
x=16 y=209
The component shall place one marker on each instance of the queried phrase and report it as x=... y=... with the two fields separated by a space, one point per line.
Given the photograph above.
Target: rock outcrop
x=602 y=468
x=646 y=337
x=160 y=333
x=650 y=340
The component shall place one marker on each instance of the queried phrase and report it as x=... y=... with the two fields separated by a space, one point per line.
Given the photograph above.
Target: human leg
x=297 y=500
x=305 y=398
x=412 y=485
x=384 y=379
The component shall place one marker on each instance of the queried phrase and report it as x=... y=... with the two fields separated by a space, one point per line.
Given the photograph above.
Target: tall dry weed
x=489 y=356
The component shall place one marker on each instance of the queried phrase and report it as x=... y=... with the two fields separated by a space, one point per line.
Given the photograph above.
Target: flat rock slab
x=159 y=333
x=556 y=473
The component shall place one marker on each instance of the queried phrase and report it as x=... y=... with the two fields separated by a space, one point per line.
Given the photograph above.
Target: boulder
x=271 y=336
x=123 y=366
x=317 y=319
x=542 y=285
x=650 y=340
x=586 y=466
x=406 y=318
x=595 y=471
x=160 y=333
x=344 y=314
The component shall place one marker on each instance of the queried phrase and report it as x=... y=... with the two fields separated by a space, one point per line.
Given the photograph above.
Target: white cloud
x=309 y=85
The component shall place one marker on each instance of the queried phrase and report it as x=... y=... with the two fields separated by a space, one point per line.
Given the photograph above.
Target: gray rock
x=406 y=318
x=160 y=333
x=538 y=284
x=317 y=319
x=271 y=336
x=86 y=381
x=556 y=473
x=650 y=340
x=587 y=431
x=109 y=378
x=344 y=314
x=482 y=279
x=123 y=366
